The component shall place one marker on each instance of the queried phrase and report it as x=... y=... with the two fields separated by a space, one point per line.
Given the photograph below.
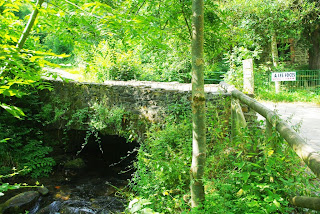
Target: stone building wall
x=299 y=53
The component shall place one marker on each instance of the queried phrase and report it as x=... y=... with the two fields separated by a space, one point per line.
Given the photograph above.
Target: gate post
x=248 y=77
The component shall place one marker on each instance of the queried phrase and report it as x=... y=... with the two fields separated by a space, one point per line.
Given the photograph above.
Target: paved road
x=303 y=115
x=63 y=74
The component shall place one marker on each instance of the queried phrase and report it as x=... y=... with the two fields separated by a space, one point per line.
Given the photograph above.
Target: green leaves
x=15 y=111
x=6 y=186
x=138 y=205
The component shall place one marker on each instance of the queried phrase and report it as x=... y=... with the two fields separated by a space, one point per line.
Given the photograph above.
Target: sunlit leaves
x=253 y=22
x=15 y=111
x=18 y=69
x=6 y=186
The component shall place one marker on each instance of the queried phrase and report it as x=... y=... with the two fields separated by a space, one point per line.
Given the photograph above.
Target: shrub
x=25 y=148
x=250 y=174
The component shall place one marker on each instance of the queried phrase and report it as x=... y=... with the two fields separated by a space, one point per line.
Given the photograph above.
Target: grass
x=285 y=96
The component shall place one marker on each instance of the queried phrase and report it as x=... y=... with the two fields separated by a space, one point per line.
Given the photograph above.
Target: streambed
x=97 y=187
x=83 y=193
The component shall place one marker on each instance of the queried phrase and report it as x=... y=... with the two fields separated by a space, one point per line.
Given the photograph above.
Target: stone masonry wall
x=144 y=100
x=300 y=54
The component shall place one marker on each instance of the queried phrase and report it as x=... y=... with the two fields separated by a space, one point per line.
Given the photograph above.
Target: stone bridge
x=144 y=100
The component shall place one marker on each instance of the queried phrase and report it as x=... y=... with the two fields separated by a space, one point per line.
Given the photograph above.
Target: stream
x=97 y=187
x=82 y=193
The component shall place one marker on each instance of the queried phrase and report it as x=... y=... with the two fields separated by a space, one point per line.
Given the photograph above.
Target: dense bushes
x=21 y=144
x=24 y=147
x=246 y=175
x=163 y=167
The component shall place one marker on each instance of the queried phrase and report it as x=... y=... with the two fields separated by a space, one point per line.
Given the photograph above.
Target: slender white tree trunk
x=198 y=106
x=275 y=58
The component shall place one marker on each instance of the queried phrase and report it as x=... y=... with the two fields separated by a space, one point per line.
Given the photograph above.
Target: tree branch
x=185 y=19
x=140 y=7
x=30 y=24
x=99 y=17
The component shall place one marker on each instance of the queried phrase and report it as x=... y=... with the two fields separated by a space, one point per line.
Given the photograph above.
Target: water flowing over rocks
x=84 y=195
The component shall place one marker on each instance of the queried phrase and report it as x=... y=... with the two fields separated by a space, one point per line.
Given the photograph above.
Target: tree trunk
x=275 y=58
x=30 y=24
x=198 y=107
x=314 y=51
x=274 y=50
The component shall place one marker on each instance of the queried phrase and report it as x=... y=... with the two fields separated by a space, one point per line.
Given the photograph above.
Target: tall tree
x=260 y=24
x=198 y=106
x=275 y=58
x=310 y=13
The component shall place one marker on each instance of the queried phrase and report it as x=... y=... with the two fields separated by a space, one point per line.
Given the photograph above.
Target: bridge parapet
x=144 y=100
x=209 y=88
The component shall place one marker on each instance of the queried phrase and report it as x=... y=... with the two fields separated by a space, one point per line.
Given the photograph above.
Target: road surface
x=304 y=116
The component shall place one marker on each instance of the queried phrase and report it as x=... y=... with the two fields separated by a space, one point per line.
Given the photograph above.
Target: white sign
x=283 y=76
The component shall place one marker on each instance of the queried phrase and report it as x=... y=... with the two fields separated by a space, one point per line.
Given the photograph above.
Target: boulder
x=20 y=202
x=77 y=163
x=43 y=190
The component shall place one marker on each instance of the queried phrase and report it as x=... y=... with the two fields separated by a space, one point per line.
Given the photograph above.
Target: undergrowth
x=290 y=91
x=24 y=146
x=286 y=96
x=250 y=174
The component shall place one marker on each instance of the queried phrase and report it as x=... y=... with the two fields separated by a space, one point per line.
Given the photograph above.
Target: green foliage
x=35 y=157
x=285 y=96
x=6 y=186
x=96 y=119
x=265 y=89
x=137 y=205
x=25 y=148
x=103 y=118
x=111 y=61
x=255 y=175
x=235 y=57
x=20 y=75
x=59 y=44
x=166 y=65
x=251 y=174
x=163 y=166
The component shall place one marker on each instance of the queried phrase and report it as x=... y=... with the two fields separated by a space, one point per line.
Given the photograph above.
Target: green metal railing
x=307 y=80
x=218 y=77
